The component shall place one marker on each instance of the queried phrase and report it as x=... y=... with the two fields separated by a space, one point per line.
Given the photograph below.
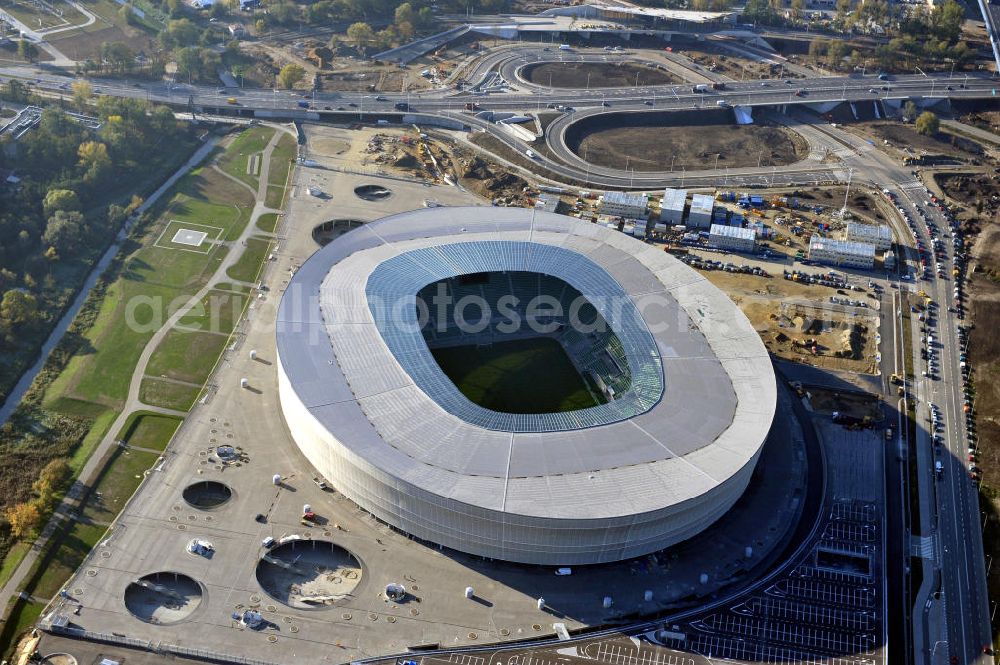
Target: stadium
x=520 y=385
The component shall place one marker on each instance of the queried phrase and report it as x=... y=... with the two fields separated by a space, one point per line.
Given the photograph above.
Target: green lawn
x=13 y=559
x=219 y=311
x=267 y=222
x=154 y=282
x=97 y=431
x=250 y=142
x=275 y=196
x=118 y=481
x=283 y=154
x=186 y=356
x=149 y=430
x=37 y=19
x=521 y=376
x=167 y=394
x=22 y=616
x=248 y=266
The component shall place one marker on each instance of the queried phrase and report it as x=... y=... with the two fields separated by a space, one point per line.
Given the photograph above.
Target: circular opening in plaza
x=682 y=140
x=308 y=574
x=163 y=598
x=207 y=494
x=327 y=232
x=372 y=192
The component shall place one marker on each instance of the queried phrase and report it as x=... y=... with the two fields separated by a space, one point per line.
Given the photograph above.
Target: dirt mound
x=491 y=181
x=406 y=161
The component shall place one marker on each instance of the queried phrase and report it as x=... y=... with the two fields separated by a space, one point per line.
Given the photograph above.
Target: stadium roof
x=716 y=407
x=402 y=276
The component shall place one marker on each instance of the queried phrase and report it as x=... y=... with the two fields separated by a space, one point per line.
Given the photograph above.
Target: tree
x=52 y=480
x=290 y=74
x=361 y=34
x=17 y=306
x=60 y=199
x=835 y=53
x=118 y=56
x=64 y=231
x=82 y=92
x=797 y=7
x=24 y=519
x=928 y=123
x=946 y=21
x=404 y=14
x=181 y=32
x=909 y=110
x=817 y=47
x=94 y=158
x=27 y=50
x=126 y=14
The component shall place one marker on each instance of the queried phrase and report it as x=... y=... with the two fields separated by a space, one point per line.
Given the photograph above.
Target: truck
x=565 y=47
x=718 y=86
x=303 y=104
x=701 y=87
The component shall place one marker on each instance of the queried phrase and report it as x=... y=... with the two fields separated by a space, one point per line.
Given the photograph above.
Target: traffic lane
x=960 y=559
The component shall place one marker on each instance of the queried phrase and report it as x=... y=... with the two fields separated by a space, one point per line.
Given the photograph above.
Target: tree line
x=70 y=196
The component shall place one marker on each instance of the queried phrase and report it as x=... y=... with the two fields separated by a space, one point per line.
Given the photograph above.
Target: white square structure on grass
x=189 y=237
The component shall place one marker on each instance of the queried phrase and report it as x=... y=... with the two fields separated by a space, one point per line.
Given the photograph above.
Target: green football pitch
x=520 y=376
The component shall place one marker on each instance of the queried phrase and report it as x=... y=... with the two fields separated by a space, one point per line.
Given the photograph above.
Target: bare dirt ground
x=978 y=192
x=721 y=61
x=87 y=42
x=984 y=357
x=988 y=120
x=904 y=140
x=852 y=404
x=796 y=331
x=655 y=147
x=596 y=75
x=791 y=318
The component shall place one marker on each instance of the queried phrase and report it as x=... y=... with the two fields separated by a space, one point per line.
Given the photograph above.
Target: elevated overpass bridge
x=991 y=16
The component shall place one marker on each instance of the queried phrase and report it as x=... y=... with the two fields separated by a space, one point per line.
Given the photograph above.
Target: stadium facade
x=688 y=389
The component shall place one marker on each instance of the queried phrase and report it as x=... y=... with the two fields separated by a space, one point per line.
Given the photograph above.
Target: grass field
x=38 y=19
x=267 y=222
x=247 y=267
x=149 y=430
x=186 y=356
x=152 y=280
x=218 y=312
x=118 y=481
x=521 y=376
x=284 y=152
x=168 y=394
x=247 y=144
x=275 y=196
